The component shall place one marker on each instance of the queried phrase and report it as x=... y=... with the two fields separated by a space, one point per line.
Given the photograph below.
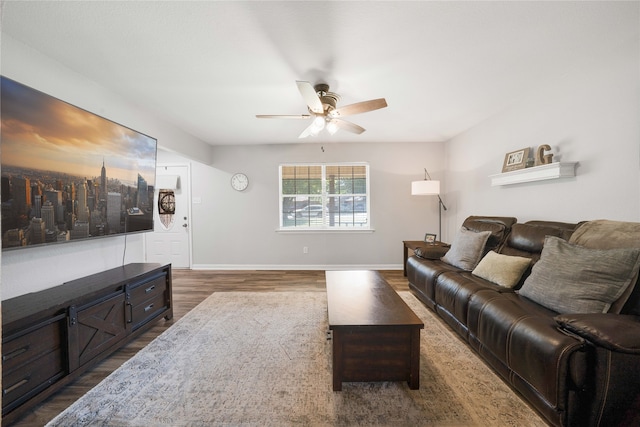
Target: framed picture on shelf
x=515 y=160
x=430 y=238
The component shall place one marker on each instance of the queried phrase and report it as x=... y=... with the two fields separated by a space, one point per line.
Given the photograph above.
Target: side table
x=438 y=249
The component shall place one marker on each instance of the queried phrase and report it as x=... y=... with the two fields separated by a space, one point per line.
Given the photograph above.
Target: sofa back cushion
x=499 y=226
x=527 y=240
x=606 y=234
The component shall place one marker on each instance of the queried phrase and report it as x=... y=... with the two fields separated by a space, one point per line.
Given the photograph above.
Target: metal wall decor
x=167 y=207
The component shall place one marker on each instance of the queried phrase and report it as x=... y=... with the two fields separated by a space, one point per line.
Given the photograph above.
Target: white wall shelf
x=536 y=173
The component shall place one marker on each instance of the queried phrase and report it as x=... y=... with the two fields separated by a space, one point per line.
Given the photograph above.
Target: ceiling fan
x=323 y=110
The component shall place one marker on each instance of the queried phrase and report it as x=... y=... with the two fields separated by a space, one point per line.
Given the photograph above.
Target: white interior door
x=170 y=241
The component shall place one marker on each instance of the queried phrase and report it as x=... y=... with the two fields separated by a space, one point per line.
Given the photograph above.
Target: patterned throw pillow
x=573 y=279
x=503 y=270
x=466 y=249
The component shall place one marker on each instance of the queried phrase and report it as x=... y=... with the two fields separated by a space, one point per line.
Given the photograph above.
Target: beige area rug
x=262 y=359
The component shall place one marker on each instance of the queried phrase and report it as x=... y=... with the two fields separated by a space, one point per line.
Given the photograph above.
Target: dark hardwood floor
x=190 y=287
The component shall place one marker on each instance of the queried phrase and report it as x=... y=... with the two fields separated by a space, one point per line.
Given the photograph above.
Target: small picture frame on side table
x=430 y=238
x=515 y=160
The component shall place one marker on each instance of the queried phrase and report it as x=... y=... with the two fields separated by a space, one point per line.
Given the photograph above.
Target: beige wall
x=588 y=114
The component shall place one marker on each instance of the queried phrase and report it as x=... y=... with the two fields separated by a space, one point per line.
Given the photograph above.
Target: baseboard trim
x=296 y=267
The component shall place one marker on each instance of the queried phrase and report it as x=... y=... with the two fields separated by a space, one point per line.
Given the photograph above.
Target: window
x=317 y=196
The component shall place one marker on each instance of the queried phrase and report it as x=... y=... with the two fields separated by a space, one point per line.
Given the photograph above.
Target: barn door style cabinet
x=52 y=336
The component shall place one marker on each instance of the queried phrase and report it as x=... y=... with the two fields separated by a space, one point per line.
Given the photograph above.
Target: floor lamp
x=429 y=187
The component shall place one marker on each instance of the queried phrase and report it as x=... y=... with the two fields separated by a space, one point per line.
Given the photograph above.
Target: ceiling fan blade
x=272 y=116
x=359 y=107
x=307 y=132
x=348 y=126
x=310 y=97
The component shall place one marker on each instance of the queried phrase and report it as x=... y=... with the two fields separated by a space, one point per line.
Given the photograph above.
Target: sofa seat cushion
x=422 y=273
x=453 y=291
x=573 y=279
x=524 y=336
x=467 y=249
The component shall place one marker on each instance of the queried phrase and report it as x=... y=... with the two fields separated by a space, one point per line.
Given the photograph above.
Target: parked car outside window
x=309 y=211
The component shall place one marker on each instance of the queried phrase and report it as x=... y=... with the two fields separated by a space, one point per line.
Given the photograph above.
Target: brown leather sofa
x=575 y=369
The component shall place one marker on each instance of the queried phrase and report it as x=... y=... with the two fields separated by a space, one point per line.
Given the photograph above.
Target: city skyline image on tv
x=68 y=174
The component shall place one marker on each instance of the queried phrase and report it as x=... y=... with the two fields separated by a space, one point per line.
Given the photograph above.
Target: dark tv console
x=50 y=337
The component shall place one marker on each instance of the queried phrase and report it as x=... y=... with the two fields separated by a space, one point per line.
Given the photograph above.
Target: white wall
x=228 y=231
x=589 y=115
x=33 y=269
x=239 y=229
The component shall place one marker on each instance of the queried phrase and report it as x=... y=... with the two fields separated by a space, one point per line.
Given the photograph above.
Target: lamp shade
x=425 y=188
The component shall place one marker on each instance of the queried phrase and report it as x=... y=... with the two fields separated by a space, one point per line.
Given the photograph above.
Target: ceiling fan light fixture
x=332 y=127
x=317 y=125
x=322 y=107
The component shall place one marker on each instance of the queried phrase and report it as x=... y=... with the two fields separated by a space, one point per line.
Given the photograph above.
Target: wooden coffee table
x=376 y=336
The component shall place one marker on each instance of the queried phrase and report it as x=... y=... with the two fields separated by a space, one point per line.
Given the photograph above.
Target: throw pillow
x=573 y=279
x=607 y=234
x=431 y=251
x=503 y=270
x=466 y=249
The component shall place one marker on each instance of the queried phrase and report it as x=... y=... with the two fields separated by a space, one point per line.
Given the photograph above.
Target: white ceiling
x=210 y=66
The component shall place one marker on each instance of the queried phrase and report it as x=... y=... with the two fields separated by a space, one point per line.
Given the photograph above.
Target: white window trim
x=325 y=229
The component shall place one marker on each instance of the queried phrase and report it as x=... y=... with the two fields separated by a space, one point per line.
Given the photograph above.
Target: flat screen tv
x=68 y=174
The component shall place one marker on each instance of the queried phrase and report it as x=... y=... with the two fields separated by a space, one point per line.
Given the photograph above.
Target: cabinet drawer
x=148 y=290
x=51 y=336
x=31 y=363
x=30 y=346
x=147 y=310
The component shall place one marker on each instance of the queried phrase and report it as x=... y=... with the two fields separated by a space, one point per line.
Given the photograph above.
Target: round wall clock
x=239 y=181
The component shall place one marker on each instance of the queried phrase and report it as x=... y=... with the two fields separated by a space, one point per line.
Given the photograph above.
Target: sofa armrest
x=615 y=332
x=613 y=396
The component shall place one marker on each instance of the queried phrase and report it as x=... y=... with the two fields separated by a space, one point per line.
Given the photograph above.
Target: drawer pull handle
x=15 y=386
x=15 y=353
x=147 y=308
x=149 y=289
x=130 y=319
